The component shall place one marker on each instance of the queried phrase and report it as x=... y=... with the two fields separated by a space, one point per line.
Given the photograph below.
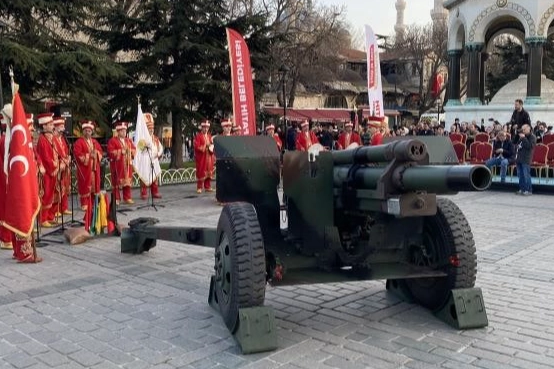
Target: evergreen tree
x=511 y=65
x=175 y=55
x=48 y=46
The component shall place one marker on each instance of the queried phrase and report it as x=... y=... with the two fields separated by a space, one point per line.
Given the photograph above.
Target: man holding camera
x=525 y=147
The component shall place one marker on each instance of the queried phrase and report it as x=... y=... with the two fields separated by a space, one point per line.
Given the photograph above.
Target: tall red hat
x=120 y=125
x=227 y=123
x=87 y=124
x=304 y=123
x=205 y=123
x=59 y=121
x=45 y=118
x=270 y=126
x=375 y=122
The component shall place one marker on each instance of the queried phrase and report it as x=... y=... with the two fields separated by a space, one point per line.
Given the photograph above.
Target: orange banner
x=244 y=107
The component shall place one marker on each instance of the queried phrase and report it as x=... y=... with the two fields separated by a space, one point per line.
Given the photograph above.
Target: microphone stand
x=152 y=177
x=73 y=169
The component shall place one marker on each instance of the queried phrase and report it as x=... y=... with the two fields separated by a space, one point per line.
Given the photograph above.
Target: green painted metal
x=438 y=179
x=256 y=331
x=248 y=170
x=465 y=309
x=143 y=233
x=352 y=215
x=406 y=150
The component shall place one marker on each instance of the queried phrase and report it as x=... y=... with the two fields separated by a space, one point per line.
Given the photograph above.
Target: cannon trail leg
x=447 y=245
x=238 y=286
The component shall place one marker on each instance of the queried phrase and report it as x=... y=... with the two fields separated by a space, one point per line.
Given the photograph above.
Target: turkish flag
x=23 y=203
x=437 y=85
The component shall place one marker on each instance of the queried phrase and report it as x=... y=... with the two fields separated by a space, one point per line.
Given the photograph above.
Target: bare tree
x=312 y=41
x=426 y=48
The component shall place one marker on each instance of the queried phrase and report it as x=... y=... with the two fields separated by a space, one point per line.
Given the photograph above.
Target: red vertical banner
x=244 y=107
x=22 y=186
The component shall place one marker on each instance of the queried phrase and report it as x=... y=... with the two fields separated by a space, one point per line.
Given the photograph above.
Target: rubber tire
x=450 y=229
x=239 y=222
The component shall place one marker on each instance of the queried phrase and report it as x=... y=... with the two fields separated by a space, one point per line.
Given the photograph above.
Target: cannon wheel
x=239 y=262
x=447 y=245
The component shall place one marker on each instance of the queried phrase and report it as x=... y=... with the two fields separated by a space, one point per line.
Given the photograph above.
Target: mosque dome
x=517 y=89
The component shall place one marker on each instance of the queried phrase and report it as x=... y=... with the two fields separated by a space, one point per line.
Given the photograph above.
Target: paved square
x=89 y=306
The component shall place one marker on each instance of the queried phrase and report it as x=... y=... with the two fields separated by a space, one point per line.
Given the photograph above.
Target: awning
x=314 y=115
x=292 y=114
x=321 y=115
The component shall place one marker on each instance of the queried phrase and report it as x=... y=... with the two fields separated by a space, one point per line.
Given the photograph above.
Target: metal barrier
x=167 y=177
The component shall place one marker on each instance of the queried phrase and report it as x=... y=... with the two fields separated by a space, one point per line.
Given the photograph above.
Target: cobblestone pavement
x=89 y=306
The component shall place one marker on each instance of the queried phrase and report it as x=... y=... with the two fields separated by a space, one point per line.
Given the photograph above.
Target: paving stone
x=92 y=307
x=53 y=358
x=86 y=358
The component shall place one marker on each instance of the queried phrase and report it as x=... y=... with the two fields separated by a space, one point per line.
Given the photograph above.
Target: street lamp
x=283 y=72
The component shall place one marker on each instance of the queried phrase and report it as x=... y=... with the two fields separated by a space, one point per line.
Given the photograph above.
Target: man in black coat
x=503 y=154
x=520 y=117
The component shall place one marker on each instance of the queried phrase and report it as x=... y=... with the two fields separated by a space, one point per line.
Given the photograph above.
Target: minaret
x=439 y=14
x=399 y=27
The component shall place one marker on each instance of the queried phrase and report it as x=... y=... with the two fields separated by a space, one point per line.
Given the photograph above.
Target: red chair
x=547 y=139
x=484 y=152
x=460 y=149
x=482 y=137
x=456 y=137
x=540 y=160
x=550 y=158
x=473 y=152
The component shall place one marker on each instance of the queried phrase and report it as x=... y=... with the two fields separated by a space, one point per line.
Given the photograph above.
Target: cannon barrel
x=404 y=150
x=439 y=179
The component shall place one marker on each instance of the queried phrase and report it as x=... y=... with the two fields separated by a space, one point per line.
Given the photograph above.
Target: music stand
x=151 y=204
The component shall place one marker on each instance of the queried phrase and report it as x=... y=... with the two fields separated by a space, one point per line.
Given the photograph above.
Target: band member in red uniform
x=235 y=131
x=48 y=156
x=156 y=153
x=88 y=154
x=270 y=129
x=305 y=138
x=226 y=125
x=375 y=124
x=121 y=152
x=348 y=137
x=63 y=186
x=204 y=157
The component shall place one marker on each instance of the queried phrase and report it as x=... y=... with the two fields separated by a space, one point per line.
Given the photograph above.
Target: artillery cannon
x=360 y=214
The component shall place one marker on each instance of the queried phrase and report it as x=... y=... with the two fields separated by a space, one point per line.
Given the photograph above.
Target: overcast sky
x=381 y=14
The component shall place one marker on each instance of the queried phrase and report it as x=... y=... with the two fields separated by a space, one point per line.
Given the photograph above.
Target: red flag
x=22 y=186
x=437 y=85
x=244 y=107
